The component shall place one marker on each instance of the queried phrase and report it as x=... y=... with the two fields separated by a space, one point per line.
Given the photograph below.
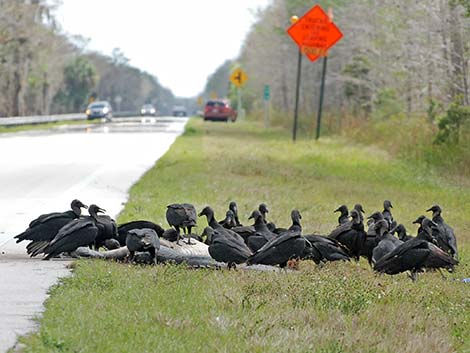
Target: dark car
x=148 y=109
x=101 y=109
x=179 y=111
x=219 y=110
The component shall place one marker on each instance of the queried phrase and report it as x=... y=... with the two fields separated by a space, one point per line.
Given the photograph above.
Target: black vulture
x=344 y=214
x=107 y=228
x=371 y=236
x=295 y=217
x=279 y=250
x=79 y=232
x=358 y=207
x=427 y=229
x=402 y=234
x=125 y=227
x=207 y=232
x=111 y=244
x=234 y=208
x=170 y=234
x=351 y=234
x=143 y=239
x=322 y=249
x=262 y=234
x=226 y=249
x=371 y=220
x=263 y=208
x=244 y=231
x=211 y=221
x=387 y=213
x=415 y=255
x=385 y=241
x=229 y=220
x=184 y=216
x=44 y=228
x=445 y=236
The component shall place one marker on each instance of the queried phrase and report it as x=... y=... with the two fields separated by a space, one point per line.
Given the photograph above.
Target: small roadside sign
x=267 y=92
x=314 y=33
x=213 y=95
x=200 y=100
x=238 y=77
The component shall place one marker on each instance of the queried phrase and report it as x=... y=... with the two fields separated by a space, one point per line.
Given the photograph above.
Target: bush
x=451 y=124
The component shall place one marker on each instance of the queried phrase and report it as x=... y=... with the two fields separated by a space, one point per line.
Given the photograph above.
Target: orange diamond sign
x=315 y=33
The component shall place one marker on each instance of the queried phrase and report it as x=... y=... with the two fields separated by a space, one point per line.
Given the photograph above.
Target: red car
x=219 y=110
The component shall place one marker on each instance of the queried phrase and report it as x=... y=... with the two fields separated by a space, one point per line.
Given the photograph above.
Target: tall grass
x=408 y=138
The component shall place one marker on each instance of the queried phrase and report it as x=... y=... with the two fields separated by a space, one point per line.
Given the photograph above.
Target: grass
x=44 y=126
x=341 y=307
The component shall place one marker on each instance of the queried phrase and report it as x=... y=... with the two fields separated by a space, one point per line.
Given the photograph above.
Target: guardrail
x=40 y=119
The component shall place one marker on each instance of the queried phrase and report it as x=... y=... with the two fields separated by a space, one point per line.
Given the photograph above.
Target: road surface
x=41 y=172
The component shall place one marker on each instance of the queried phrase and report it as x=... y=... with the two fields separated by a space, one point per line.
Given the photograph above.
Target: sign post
x=322 y=91
x=267 y=97
x=297 y=94
x=315 y=33
x=200 y=101
x=239 y=78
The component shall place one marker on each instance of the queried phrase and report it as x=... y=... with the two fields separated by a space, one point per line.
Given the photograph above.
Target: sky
x=181 y=42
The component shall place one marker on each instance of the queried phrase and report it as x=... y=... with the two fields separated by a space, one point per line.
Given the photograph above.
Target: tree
x=79 y=82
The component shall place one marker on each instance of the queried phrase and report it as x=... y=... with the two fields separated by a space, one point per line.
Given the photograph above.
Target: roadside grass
x=45 y=126
x=340 y=307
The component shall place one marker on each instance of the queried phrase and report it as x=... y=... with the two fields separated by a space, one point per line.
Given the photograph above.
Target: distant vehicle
x=101 y=109
x=219 y=110
x=148 y=109
x=179 y=111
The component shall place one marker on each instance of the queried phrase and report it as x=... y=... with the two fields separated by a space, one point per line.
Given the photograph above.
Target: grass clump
x=340 y=307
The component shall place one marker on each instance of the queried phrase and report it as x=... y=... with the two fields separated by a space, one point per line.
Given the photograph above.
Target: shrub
x=451 y=124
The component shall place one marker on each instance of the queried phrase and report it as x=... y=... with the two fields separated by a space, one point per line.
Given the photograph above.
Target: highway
x=41 y=172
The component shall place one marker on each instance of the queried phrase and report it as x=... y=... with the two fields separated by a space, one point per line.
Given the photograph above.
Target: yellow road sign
x=238 y=77
x=213 y=95
x=200 y=100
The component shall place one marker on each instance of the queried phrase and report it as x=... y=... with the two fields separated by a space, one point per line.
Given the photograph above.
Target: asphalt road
x=41 y=172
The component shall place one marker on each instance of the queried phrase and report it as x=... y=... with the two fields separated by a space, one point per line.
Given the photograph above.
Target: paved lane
x=42 y=172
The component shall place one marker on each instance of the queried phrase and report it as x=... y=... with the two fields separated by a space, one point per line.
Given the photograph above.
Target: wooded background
x=396 y=57
x=42 y=71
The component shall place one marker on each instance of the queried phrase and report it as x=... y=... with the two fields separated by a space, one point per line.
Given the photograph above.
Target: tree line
x=42 y=71
x=397 y=58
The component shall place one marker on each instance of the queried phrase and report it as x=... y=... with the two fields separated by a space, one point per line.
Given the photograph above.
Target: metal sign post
x=322 y=91
x=239 y=78
x=314 y=33
x=267 y=97
x=297 y=94
x=239 y=104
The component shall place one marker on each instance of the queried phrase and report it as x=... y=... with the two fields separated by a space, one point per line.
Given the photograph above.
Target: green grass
x=341 y=307
x=45 y=126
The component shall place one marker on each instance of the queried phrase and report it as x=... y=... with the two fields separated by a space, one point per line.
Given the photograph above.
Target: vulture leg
x=178 y=236
x=189 y=236
x=414 y=276
x=153 y=255
x=131 y=256
x=442 y=274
